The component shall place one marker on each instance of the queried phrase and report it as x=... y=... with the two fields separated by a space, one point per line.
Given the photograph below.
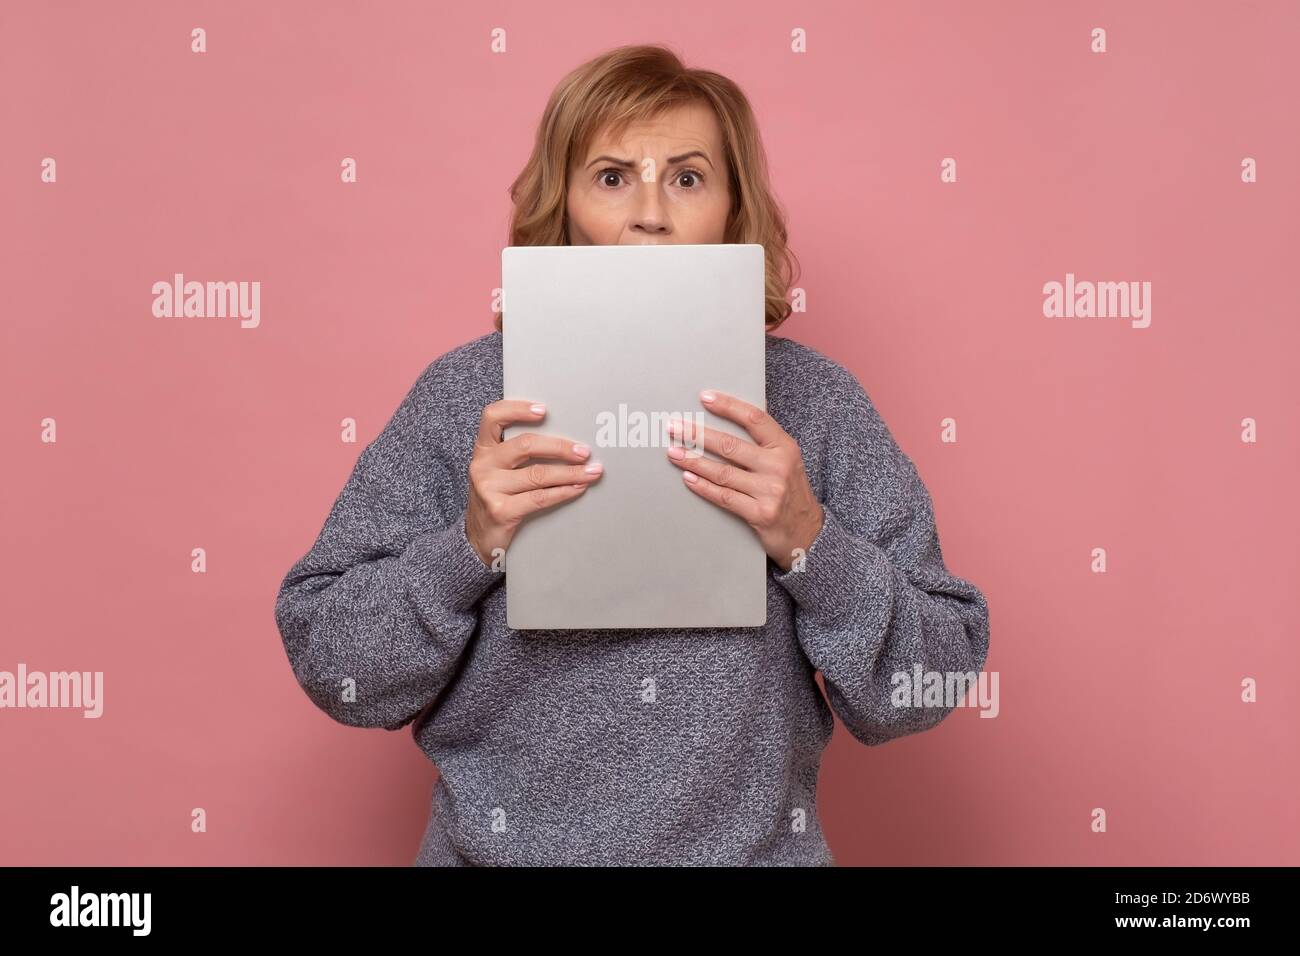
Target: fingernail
x=595 y=468
x=689 y=476
x=707 y=395
x=676 y=452
x=538 y=409
x=580 y=449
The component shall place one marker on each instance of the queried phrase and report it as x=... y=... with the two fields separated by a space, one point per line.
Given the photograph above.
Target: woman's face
x=665 y=181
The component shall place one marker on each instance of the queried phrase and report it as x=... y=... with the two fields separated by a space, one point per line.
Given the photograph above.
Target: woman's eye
x=692 y=174
x=604 y=177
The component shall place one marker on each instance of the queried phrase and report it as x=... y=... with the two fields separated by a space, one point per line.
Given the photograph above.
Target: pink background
x=1118 y=690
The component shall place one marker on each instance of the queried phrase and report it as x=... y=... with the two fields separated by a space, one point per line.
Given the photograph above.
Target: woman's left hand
x=764 y=481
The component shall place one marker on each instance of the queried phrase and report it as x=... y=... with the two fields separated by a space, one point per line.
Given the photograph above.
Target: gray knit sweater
x=695 y=746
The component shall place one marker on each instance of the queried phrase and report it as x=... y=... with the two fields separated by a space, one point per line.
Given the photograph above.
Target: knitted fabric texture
x=623 y=746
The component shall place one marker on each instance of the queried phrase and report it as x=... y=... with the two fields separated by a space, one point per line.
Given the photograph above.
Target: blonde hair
x=634 y=83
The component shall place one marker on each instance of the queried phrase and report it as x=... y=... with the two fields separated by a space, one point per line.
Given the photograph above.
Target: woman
x=696 y=746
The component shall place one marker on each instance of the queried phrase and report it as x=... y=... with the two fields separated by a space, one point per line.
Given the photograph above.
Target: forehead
x=690 y=124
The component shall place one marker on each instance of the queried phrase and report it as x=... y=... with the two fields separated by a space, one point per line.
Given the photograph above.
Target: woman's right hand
x=502 y=494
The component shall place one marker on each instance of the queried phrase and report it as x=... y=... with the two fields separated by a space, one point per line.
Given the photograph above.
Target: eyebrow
x=672 y=160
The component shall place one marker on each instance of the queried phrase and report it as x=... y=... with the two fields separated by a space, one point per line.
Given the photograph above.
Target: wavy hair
x=634 y=83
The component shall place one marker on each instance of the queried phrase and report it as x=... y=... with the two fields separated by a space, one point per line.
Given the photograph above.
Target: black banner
x=927 y=905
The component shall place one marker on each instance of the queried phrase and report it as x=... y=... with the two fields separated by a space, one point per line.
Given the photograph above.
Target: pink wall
x=1119 y=690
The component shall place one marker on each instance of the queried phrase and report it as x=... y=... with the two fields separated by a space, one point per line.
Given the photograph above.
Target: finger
x=702 y=438
x=520 y=506
x=517 y=450
x=516 y=480
x=722 y=473
x=497 y=415
x=762 y=427
x=727 y=498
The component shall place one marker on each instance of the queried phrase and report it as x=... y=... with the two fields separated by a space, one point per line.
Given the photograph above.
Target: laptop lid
x=615 y=340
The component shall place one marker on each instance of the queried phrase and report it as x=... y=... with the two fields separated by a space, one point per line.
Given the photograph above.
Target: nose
x=649 y=216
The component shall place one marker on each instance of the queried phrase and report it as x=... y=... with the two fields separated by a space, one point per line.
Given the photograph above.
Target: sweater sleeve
x=375 y=617
x=873 y=599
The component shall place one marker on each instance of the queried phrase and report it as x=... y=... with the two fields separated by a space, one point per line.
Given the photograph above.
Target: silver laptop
x=615 y=339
